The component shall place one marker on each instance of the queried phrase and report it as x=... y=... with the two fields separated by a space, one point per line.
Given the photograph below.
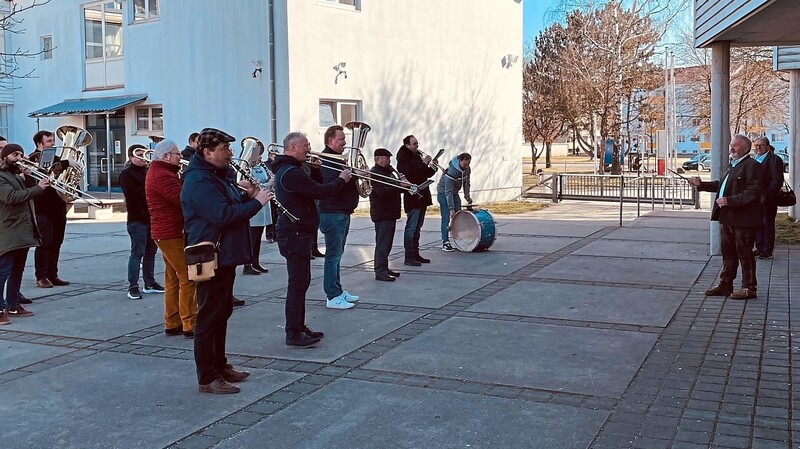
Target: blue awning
x=88 y=106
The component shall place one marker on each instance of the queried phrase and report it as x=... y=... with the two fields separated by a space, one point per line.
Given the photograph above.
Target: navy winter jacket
x=214 y=208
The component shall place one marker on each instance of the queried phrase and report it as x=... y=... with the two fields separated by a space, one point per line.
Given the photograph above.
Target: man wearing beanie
x=18 y=230
x=384 y=210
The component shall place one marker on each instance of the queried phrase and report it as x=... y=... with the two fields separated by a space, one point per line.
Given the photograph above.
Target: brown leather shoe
x=219 y=386
x=744 y=293
x=19 y=311
x=44 y=283
x=4 y=317
x=233 y=375
x=58 y=282
x=719 y=290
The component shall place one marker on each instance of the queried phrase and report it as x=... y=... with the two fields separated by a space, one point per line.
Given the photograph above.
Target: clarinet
x=278 y=204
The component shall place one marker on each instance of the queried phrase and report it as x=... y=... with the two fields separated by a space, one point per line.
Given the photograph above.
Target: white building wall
x=432 y=69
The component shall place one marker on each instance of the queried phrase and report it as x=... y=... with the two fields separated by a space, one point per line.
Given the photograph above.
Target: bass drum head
x=466 y=231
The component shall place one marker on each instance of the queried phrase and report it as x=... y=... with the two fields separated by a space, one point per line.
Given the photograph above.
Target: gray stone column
x=794 y=134
x=720 y=120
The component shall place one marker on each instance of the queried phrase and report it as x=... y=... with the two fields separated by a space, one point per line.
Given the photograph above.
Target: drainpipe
x=109 y=156
x=273 y=105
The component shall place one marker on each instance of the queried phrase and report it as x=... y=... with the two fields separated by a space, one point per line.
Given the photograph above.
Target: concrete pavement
x=570 y=332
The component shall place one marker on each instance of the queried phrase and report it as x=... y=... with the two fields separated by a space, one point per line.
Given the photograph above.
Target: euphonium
x=357 y=160
x=73 y=139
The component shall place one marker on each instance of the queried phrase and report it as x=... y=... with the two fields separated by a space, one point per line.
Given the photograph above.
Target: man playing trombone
x=18 y=229
x=143 y=248
x=297 y=192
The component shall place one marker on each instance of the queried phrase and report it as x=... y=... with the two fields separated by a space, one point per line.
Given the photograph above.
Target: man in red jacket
x=163 y=189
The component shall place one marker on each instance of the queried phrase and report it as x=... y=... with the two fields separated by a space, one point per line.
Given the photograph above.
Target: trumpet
x=434 y=163
x=31 y=169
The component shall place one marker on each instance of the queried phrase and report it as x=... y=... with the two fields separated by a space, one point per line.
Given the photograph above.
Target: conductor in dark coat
x=737 y=208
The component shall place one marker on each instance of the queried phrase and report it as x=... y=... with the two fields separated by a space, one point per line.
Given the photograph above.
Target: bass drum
x=473 y=230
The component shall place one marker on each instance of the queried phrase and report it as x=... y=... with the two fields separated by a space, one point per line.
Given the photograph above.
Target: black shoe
x=412 y=262
x=384 y=277
x=188 y=335
x=248 y=269
x=393 y=273
x=258 y=267
x=172 y=332
x=24 y=300
x=316 y=253
x=756 y=252
x=765 y=256
x=307 y=331
x=422 y=259
x=301 y=340
x=237 y=302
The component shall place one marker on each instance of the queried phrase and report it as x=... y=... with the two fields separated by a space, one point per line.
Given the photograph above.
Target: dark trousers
x=737 y=249
x=12 y=264
x=384 y=236
x=214 y=307
x=765 y=236
x=414 y=222
x=46 y=256
x=295 y=247
x=255 y=238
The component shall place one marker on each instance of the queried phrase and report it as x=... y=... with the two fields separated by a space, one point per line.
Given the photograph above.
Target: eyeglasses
x=173 y=153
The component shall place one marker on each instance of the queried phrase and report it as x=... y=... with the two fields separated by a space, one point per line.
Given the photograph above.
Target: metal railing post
x=621 y=190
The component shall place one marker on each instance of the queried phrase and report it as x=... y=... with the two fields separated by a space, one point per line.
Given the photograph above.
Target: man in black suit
x=737 y=207
x=771 y=183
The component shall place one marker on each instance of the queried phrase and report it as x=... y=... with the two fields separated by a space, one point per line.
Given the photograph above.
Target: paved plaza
x=570 y=332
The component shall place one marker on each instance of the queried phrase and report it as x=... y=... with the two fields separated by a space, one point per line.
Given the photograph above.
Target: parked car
x=785 y=158
x=699 y=162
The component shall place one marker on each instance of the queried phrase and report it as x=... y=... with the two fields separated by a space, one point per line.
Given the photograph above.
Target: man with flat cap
x=215 y=210
x=384 y=210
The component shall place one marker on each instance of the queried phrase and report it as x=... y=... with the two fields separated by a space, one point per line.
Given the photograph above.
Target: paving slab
x=258 y=330
x=120 y=401
x=636 y=306
x=646 y=250
x=353 y=255
x=95 y=228
x=111 y=268
x=674 y=222
x=101 y=244
x=556 y=228
x=531 y=244
x=490 y=263
x=15 y=354
x=101 y=314
x=412 y=288
x=265 y=283
x=569 y=359
x=357 y=414
x=660 y=235
x=668 y=273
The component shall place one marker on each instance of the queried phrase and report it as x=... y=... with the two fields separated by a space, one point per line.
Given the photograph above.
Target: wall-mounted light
x=509 y=60
x=257 y=68
x=339 y=68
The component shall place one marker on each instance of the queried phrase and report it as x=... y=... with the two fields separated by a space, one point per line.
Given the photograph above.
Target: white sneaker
x=339 y=303
x=348 y=297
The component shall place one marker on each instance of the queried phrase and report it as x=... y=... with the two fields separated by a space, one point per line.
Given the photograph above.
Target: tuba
x=73 y=139
x=357 y=160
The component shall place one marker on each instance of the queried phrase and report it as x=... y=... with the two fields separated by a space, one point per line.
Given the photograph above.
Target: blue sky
x=533 y=17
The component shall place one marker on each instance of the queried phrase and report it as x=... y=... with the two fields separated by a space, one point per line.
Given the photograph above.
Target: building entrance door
x=99 y=166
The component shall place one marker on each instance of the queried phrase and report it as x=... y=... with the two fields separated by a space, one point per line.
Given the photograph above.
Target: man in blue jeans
x=334 y=221
x=143 y=248
x=417 y=170
x=453 y=179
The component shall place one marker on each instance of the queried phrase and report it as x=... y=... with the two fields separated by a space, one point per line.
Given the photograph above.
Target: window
x=333 y=112
x=352 y=4
x=695 y=122
x=777 y=137
x=4 y=121
x=681 y=138
x=695 y=138
x=144 y=10
x=47 y=47
x=150 y=120
x=103 y=30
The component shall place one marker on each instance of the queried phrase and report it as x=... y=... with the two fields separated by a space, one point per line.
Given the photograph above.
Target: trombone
x=31 y=169
x=339 y=162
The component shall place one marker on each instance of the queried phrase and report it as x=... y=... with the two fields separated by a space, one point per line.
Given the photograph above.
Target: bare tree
x=11 y=23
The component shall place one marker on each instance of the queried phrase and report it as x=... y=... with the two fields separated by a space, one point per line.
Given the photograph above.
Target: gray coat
x=18 y=227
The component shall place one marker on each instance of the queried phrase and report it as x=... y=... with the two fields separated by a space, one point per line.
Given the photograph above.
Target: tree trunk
x=548 y=155
x=616 y=168
x=534 y=158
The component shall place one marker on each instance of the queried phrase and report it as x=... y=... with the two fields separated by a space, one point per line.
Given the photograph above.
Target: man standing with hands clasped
x=737 y=208
x=771 y=183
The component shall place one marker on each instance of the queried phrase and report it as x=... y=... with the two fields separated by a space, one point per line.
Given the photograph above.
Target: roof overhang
x=772 y=23
x=88 y=106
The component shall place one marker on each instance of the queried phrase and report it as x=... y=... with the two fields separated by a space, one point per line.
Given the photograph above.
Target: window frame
x=150 y=118
x=356 y=6
x=47 y=51
x=337 y=110
x=103 y=44
x=134 y=20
